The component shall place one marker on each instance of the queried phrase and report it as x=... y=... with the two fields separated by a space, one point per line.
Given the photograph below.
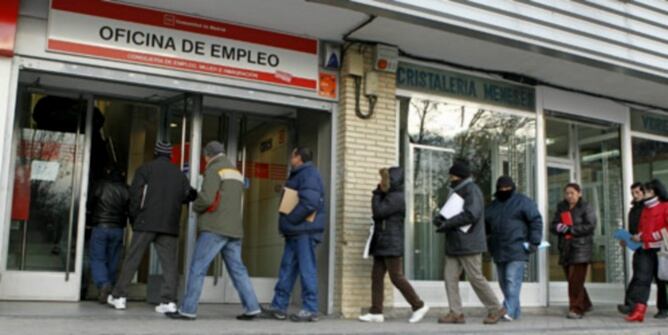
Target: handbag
x=662 y=256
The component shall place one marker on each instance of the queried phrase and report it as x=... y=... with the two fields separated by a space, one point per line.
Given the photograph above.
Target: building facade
x=547 y=92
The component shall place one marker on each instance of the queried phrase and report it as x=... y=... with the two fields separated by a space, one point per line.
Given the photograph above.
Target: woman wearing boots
x=574 y=222
x=387 y=246
x=654 y=217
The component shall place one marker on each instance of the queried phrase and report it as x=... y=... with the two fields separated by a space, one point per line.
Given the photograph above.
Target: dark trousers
x=393 y=265
x=578 y=297
x=167 y=249
x=645 y=268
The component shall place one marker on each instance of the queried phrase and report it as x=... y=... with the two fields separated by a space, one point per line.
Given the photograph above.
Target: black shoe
x=271 y=313
x=247 y=317
x=179 y=316
x=304 y=316
x=662 y=314
x=104 y=293
x=624 y=309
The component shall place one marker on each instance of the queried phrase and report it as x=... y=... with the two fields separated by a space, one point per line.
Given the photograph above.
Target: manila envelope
x=289 y=201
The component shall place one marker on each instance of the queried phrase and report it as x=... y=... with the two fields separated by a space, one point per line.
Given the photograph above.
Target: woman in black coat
x=574 y=222
x=387 y=246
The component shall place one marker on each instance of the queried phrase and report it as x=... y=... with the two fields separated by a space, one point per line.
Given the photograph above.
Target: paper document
x=624 y=235
x=289 y=202
x=453 y=207
x=367 y=247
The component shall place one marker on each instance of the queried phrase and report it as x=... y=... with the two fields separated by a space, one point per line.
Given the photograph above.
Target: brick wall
x=363 y=146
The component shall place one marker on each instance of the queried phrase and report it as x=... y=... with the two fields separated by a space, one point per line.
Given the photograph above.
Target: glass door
x=429 y=175
x=51 y=151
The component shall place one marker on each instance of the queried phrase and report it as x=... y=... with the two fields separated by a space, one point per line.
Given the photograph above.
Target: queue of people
x=509 y=228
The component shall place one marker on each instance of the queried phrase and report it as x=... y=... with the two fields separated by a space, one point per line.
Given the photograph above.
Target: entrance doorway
x=69 y=129
x=588 y=153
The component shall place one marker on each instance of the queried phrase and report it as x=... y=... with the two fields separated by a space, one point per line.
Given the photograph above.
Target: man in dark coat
x=387 y=246
x=515 y=229
x=108 y=203
x=302 y=229
x=638 y=194
x=158 y=191
x=465 y=241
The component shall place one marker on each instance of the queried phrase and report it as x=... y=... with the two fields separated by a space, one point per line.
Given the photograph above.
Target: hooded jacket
x=510 y=224
x=389 y=208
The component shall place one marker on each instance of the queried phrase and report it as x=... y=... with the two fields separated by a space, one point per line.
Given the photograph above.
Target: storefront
x=542 y=137
x=97 y=83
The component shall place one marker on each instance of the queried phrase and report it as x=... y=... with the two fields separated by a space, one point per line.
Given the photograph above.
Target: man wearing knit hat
x=465 y=241
x=158 y=191
x=515 y=228
x=221 y=232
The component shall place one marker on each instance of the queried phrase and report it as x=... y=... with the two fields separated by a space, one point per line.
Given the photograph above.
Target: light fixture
x=173 y=125
x=601 y=155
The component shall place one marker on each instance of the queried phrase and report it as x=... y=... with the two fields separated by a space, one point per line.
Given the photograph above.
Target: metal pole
x=195 y=154
x=24 y=246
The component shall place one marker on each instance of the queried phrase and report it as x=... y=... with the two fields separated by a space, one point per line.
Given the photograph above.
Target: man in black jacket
x=515 y=229
x=465 y=241
x=638 y=194
x=109 y=214
x=158 y=191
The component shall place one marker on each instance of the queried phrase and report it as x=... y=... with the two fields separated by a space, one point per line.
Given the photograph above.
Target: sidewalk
x=91 y=318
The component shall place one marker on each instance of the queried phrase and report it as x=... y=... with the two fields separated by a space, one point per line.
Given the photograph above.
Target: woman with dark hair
x=574 y=222
x=653 y=219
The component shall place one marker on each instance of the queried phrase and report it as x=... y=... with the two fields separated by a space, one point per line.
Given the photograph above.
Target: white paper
x=453 y=207
x=44 y=170
x=367 y=247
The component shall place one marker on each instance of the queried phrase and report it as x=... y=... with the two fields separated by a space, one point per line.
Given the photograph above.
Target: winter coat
x=389 y=210
x=578 y=249
x=654 y=217
x=219 y=202
x=307 y=182
x=634 y=216
x=457 y=242
x=109 y=204
x=510 y=224
x=167 y=189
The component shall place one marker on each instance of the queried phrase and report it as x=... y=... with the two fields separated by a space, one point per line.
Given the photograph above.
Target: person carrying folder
x=465 y=241
x=574 y=223
x=302 y=227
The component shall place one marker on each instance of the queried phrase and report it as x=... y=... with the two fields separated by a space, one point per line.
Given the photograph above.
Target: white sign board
x=118 y=31
x=44 y=170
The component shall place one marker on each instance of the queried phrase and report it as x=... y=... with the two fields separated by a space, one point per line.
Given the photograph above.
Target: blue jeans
x=105 y=251
x=511 y=275
x=298 y=259
x=207 y=247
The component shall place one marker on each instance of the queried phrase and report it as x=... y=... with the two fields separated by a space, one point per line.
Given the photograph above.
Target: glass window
x=436 y=131
x=650 y=160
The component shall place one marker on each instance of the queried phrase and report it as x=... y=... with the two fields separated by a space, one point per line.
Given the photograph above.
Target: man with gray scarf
x=465 y=241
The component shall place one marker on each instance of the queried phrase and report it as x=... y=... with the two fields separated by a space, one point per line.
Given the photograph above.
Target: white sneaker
x=166 y=308
x=507 y=317
x=117 y=303
x=371 y=318
x=419 y=314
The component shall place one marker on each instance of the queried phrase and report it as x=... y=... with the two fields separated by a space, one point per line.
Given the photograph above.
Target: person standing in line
x=515 y=227
x=638 y=194
x=387 y=246
x=653 y=219
x=465 y=242
x=221 y=231
x=574 y=223
x=158 y=191
x=302 y=229
x=109 y=215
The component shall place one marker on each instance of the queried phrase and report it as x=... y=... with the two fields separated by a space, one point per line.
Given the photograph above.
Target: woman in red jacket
x=654 y=217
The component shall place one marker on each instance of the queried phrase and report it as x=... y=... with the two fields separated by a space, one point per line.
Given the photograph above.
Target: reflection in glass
x=495 y=143
x=650 y=160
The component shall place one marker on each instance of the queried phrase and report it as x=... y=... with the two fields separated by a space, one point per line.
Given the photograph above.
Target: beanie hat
x=461 y=169
x=214 y=148
x=163 y=149
x=505 y=181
